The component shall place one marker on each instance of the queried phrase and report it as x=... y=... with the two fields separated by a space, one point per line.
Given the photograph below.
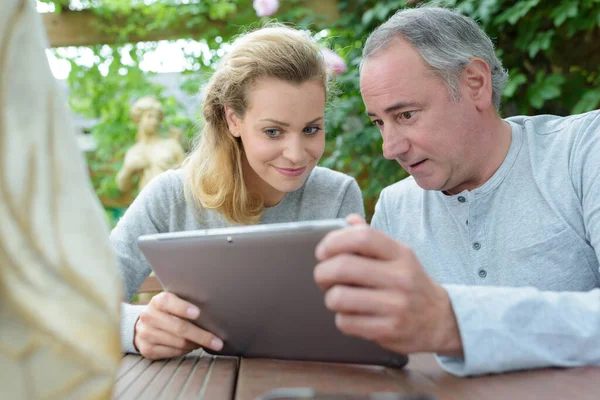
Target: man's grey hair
x=446 y=40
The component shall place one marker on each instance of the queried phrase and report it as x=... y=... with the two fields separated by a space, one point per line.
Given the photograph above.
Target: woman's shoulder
x=166 y=186
x=322 y=176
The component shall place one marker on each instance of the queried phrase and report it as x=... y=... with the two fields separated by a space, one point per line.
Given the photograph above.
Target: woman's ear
x=233 y=121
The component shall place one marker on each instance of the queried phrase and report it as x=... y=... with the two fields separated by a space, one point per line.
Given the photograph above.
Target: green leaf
x=589 y=101
x=517 y=11
x=368 y=16
x=544 y=88
x=541 y=42
x=567 y=9
x=513 y=84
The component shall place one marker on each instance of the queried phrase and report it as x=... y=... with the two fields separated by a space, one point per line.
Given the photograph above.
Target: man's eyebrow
x=397 y=106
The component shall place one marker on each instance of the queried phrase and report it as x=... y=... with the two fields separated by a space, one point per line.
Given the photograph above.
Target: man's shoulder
x=406 y=187
x=554 y=124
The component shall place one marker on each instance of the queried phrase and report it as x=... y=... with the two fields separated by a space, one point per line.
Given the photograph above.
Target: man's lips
x=413 y=166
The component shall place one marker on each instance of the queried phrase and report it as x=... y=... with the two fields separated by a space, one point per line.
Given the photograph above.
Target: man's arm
x=505 y=329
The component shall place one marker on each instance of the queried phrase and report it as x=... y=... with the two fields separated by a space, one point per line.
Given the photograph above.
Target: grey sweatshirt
x=161 y=207
x=519 y=256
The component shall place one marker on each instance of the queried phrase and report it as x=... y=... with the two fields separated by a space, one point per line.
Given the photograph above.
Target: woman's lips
x=291 y=171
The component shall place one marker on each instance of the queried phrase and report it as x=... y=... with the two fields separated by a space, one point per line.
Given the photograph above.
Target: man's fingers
x=356 y=300
x=358 y=239
x=370 y=327
x=171 y=304
x=353 y=270
x=355 y=219
x=181 y=328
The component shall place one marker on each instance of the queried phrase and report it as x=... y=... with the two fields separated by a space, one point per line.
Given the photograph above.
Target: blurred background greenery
x=551 y=49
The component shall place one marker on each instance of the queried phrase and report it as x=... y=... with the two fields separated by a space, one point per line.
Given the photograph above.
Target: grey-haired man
x=488 y=255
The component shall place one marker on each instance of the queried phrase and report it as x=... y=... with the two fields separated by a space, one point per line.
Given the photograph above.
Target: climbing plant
x=550 y=48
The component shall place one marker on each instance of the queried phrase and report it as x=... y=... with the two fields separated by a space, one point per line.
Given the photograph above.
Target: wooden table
x=191 y=377
x=197 y=377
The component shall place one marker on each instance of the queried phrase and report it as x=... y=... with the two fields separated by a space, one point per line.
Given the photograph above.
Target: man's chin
x=427 y=184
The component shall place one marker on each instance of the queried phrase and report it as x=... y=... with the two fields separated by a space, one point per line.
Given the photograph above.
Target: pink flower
x=264 y=8
x=334 y=62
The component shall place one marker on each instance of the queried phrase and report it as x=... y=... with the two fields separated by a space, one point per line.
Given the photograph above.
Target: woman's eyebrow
x=275 y=121
x=287 y=124
x=314 y=120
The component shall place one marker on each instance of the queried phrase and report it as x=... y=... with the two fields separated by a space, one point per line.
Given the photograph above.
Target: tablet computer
x=256 y=291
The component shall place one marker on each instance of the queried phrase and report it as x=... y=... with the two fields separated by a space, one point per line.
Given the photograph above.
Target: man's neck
x=495 y=144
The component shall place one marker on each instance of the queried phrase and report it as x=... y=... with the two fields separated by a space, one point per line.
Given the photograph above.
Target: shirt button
x=476 y=245
x=461 y=199
x=482 y=273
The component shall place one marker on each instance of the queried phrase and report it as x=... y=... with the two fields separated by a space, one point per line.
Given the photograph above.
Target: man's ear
x=233 y=121
x=478 y=80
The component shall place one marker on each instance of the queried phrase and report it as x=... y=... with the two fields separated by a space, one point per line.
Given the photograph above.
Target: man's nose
x=394 y=144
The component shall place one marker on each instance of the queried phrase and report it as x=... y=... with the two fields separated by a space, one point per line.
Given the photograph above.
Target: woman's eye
x=272 y=132
x=312 y=130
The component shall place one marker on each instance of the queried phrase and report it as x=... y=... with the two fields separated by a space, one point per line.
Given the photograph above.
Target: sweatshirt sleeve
x=148 y=214
x=507 y=328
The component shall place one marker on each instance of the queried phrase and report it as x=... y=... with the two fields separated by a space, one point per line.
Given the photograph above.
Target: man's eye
x=378 y=123
x=406 y=115
x=272 y=132
x=311 y=130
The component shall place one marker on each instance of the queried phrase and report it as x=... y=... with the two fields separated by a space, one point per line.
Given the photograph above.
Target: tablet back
x=256 y=291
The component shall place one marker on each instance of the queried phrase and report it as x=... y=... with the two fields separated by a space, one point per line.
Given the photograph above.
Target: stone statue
x=152 y=153
x=59 y=285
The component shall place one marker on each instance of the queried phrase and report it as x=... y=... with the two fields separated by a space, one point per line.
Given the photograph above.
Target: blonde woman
x=254 y=163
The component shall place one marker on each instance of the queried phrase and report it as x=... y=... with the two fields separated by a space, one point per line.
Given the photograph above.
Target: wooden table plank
x=422 y=375
x=191 y=377
x=127 y=363
x=136 y=387
x=543 y=384
x=129 y=376
x=257 y=376
x=222 y=382
x=160 y=380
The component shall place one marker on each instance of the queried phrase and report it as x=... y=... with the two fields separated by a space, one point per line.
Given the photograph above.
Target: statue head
x=147 y=113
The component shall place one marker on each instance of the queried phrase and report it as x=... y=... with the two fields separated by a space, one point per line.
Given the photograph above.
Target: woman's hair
x=142 y=105
x=213 y=172
x=445 y=39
